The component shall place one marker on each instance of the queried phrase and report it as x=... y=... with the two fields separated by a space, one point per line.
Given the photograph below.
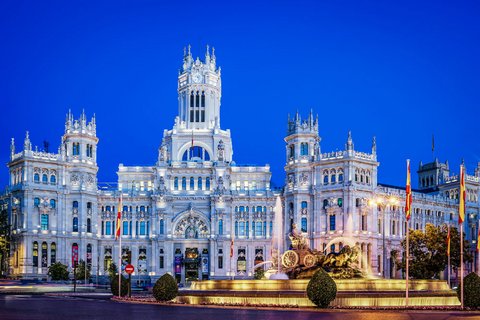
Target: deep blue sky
x=401 y=71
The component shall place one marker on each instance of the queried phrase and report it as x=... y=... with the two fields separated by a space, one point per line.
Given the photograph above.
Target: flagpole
x=407 y=263
x=448 y=248
x=408 y=212
x=120 y=249
x=461 y=264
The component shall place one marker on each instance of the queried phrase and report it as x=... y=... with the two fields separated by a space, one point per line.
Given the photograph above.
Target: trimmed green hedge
x=321 y=289
x=471 y=294
x=114 y=286
x=165 y=289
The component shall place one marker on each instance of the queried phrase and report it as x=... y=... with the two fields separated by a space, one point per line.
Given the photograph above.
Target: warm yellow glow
x=351 y=293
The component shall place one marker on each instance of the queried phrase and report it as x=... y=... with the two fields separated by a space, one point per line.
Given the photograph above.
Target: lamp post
x=383 y=202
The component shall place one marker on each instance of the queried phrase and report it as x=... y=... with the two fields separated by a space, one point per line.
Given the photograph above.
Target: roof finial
x=349 y=141
x=12 y=148
x=27 y=145
x=207 y=55
x=189 y=51
x=374 y=145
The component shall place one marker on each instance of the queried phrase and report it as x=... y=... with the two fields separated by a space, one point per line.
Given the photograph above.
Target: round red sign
x=129 y=268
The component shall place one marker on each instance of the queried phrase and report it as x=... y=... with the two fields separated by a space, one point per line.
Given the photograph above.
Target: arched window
x=75 y=205
x=125 y=228
x=75 y=254
x=325 y=203
x=36 y=202
x=192 y=183
x=44 y=178
x=367 y=179
x=89 y=256
x=304 y=149
x=53 y=253
x=258 y=229
x=142 y=228
x=199 y=183
x=207 y=183
x=89 y=225
x=162 y=227
x=36 y=177
x=196 y=153
x=271 y=228
x=291 y=153
x=125 y=209
x=332 y=222
x=175 y=183
x=325 y=179
x=340 y=177
x=44 y=221
x=333 y=178
x=340 y=202
x=75 y=224
x=142 y=208
x=304 y=224
x=44 y=255
x=35 y=254
x=236 y=228
x=53 y=203
x=220 y=227
x=53 y=179
x=184 y=183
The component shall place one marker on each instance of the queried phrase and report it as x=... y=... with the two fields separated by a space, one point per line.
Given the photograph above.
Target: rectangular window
x=162 y=262
x=332 y=222
x=220 y=262
x=125 y=228
x=44 y=222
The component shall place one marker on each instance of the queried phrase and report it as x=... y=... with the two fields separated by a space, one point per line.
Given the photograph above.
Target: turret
x=349 y=145
x=79 y=141
x=27 y=145
x=302 y=138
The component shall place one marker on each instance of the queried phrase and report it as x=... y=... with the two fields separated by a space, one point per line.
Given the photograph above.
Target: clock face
x=196 y=77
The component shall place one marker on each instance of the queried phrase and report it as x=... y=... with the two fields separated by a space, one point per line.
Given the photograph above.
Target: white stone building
x=180 y=214
x=328 y=195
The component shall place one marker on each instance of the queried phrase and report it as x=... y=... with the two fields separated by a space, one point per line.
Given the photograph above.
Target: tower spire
x=374 y=145
x=12 y=148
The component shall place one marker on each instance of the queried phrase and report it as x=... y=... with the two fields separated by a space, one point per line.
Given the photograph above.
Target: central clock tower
x=199 y=91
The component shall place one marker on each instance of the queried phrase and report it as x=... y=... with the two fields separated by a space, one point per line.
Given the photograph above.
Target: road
x=39 y=307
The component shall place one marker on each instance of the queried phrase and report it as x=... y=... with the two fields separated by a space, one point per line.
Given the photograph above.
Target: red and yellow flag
x=461 y=206
x=478 y=238
x=448 y=241
x=119 y=219
x=408 y=197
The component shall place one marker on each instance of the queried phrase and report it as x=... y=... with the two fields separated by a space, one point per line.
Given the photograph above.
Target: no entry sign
x=129 y=268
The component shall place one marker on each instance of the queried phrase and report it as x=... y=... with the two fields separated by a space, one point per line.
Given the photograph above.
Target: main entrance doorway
x=192 y=264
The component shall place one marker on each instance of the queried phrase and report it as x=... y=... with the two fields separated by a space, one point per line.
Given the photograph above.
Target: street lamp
x=383 y=202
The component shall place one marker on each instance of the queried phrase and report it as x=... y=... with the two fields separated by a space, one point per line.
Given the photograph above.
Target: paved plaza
x=61 y=307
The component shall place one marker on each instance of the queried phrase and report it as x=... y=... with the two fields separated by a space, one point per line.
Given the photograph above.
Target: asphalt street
x=58 y=307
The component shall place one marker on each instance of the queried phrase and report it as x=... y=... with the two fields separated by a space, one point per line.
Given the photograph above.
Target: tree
x=80 y=273
x=428 y=251
x=4 y=240
x=112 y=271
x=58 y=271
x=166 y=288
x=321 y=289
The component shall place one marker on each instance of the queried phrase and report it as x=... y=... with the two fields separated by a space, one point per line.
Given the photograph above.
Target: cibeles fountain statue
x=301 y=262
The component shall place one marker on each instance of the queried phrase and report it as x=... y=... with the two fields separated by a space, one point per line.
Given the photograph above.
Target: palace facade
x=181 y=214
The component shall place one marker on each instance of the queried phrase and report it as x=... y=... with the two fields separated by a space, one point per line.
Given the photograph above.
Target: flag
x=408 y=197
x=461 y=206
x=231 y=248
x=478 y=240
x=448 y=241
x=119 y=219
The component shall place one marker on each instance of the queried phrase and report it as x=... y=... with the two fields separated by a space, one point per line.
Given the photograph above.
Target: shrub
x=165 y=288
x=259 y=274
x=471 y=294
x=321 y=289
x=58 y=271
x=114 y=286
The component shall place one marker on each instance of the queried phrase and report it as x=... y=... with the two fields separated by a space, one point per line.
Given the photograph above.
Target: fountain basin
x=350 y=293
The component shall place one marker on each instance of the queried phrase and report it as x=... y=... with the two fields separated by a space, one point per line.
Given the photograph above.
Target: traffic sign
x=129 y=268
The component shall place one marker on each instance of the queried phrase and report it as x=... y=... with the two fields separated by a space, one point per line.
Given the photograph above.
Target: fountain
x=278 y=239
x=290 y=271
